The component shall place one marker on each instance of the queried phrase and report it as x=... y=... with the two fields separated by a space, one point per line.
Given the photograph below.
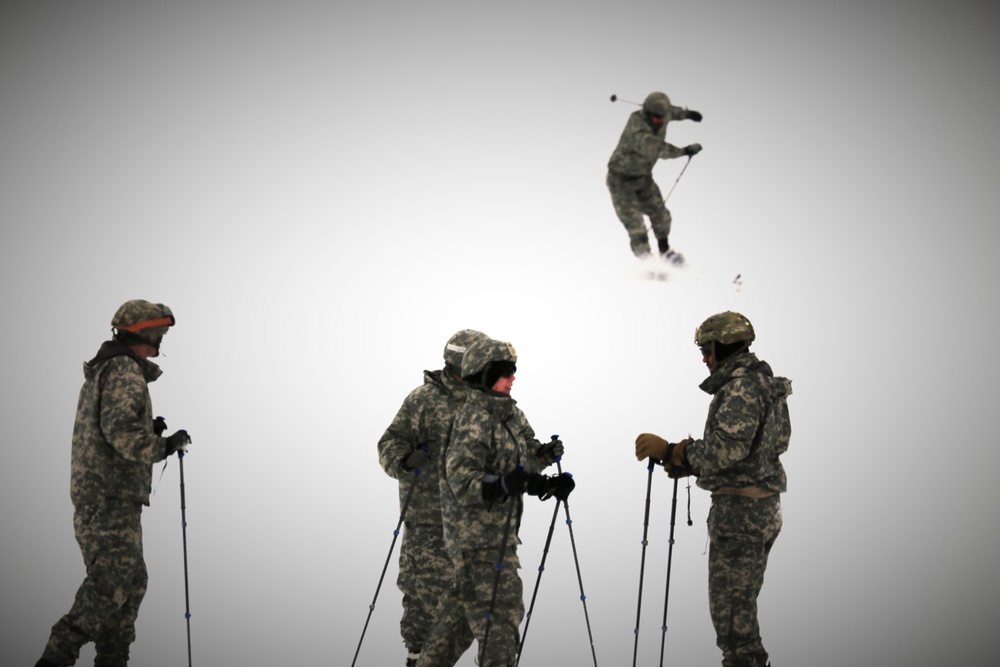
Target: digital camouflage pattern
x=634 y=194
x=484 y=352
x=104 y=611
x=741 y=532
x=464 y=610
x=455 y=348
x=747 y=430
x=491 y=437
x=423 y=420
x=642 y=144
x=114 y=447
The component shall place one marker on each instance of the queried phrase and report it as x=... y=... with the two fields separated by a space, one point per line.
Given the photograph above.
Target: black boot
x=42 y=662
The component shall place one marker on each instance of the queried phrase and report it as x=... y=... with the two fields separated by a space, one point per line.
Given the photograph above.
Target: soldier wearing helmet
x=634 y=194
x=412 y=450
x=738 y=461
x=116 y=441
x=493 y=458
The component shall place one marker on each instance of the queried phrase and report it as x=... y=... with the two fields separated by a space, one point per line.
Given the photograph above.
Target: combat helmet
x=456 y=346
x=141 y=321
x=725 y=328
x=656 y=104
x=484 y=356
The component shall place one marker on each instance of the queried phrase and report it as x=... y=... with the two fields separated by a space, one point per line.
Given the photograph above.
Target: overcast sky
x=324 y=194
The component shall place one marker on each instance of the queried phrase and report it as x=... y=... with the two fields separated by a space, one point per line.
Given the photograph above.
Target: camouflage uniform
x=630 y=177
x=425 y=572
x=114 y=447
x=747 y=429
x=491 y=437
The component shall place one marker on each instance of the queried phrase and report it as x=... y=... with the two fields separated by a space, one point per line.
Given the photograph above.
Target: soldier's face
x=504 y=384
x=708 y=357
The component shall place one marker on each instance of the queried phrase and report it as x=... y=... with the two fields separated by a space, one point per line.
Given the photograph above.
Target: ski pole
x=670 y=555
x=615 y=98
x=579 y=577
x=538 y=579
x=678 y=179
x=496 y=580
x=388 y=557
x=576 y=560
x=187 y=599
x=642 y=563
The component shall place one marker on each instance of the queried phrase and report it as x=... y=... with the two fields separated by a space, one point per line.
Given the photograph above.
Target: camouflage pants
x=425 y=574
x=107 y=603
x=742 y=532
x=465 y=609
x=633 y=198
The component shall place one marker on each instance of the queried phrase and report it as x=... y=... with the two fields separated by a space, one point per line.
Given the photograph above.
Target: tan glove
x=678 y=465
x=678 y=453
x=649 y=446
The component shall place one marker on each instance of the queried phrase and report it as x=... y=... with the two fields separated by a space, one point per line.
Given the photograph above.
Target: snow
x=324 y=195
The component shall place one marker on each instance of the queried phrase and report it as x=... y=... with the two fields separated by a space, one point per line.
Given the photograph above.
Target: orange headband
x=145 y=324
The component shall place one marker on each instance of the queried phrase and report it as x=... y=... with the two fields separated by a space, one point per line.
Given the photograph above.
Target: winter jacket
x=747 y=427
x=424 y=419
x=491 y=437
x=642 y=144
x=114 y=446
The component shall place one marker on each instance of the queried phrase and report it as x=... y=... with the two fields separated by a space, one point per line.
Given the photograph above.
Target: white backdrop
x=323 y=194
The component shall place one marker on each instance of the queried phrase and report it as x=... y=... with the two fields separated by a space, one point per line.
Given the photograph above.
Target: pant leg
x=450 y=636
x=651 y=204
x=741 y=532
x=106 y=605
x=425 y=575
x=625 y=197
x=500 y=616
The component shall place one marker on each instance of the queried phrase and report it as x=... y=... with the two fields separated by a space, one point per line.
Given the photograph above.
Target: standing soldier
x=634 y=193
x=115 y=443
x=746 y=432
x=411 y=450
x=492 y=459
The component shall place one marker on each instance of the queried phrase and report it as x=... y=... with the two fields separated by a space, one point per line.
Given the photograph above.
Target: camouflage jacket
x=491 y=437
x=114 y=446
x=424 y=419
x=747 y=427
x=642 y=144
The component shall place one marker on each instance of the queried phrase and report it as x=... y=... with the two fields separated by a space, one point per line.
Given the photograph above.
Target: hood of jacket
x=747 y=364
x=112 y=348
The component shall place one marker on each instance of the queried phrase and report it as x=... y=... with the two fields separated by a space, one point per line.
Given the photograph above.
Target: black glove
x=544 y=487
x=507 y=485
x=561 y=486
x=159 y=425
x=417 y=459
x=179 y=440
x=694 y=115
x=692 y=149
x=515 y=481
x=551 y=451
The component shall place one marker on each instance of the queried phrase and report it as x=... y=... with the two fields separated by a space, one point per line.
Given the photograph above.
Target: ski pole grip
x=555 y=436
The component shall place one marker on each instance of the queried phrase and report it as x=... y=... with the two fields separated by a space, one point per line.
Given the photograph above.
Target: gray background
x=324 y=192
